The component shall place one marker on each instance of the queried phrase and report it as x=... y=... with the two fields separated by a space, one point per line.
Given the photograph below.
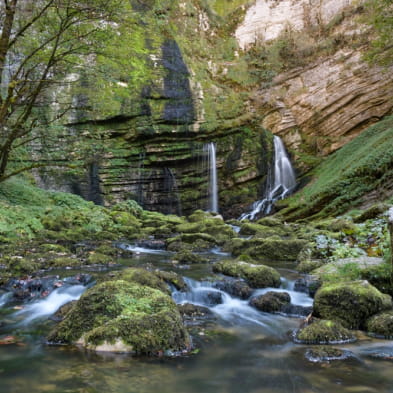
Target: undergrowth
x=344 y=178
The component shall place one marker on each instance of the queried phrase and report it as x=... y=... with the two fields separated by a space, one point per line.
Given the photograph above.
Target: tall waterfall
x=210 y=151
x=279 y=183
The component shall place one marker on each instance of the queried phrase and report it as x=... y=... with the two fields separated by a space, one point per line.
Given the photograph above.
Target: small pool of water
x=243 y=351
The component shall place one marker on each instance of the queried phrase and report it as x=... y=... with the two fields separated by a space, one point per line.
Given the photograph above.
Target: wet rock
x=120 y=316
x=257 y=276
x=381 y=325
x=294 y=310
x=238 y=288
x=324 y=332
x=153 y=244
x=192 y=310
x=351 y=303
x=142 y=277
x=325 y=353
x=187 y=256
x=308 y=284
x=60 y=314
x=308 y=265
x=271 y=301
x=172 y=278
x=385 y=353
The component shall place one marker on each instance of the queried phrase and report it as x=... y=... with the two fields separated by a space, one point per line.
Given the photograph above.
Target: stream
x=242 y=350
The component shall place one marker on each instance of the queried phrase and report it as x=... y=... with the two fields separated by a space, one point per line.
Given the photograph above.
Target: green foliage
x=340 y=181
x=379 y=14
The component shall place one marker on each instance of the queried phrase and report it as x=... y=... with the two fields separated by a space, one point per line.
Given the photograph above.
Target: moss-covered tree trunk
x=390 y=225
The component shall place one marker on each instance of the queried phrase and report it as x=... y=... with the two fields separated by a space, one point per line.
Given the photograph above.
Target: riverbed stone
x=271 y=301
x=257 y=276
x=234 y=287
x=325 y=353
x=381 y=325
x=121 y=316
x=324 y=332
x=351 y=303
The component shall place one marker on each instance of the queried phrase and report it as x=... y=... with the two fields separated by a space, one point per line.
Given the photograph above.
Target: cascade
x=210 y=151
x=280 y=183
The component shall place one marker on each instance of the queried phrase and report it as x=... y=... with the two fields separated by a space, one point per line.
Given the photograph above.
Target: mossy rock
x=125 y=219
x=324 y=332
x=97 y=258
x=308 y=265
x=51 y=247
x=63 y=262
x=381 y=325
x=372 y=212
x=257 y=276
x=324 y=353
x=260 y=231
x=120 y=316
x=270 y=222
x=187 y=256
x=199 y=215
x=142 y=277
x=270 y=249
x=351 y=303
x=172 y=278
x=271 y=301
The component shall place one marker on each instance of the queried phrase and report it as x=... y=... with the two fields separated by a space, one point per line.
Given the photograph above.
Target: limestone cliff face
x=327 y=103
x=230 y=73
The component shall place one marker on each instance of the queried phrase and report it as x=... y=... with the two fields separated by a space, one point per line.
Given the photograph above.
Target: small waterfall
x=210 y=151
x=171 y=191
x=280 y=183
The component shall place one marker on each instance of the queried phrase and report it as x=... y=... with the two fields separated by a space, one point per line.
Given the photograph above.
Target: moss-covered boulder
x=173 y=279
x=187 y=256
x=121 y=316
x=261 y=231
x=308 y=265
x=142 y=277
x=269 y=249
x=351 y=303
x=271 y=301
x=257 y=276
x=381 y=325
x=324 y=332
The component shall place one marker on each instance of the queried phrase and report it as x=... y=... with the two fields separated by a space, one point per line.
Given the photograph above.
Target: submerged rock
x=324 y=332
x=308 y=284
x=351 y=303
x=120 y=316
x=324 y=353
x=257 y=276
x=381 y=325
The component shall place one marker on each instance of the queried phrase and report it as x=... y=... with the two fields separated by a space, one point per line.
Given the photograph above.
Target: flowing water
x=280 y=182
x=240 y=350
x=210 y=151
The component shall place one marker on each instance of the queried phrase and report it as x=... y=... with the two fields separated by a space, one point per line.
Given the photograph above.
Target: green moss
x=381 y=325
x=350 y=303
x=143 y=320
x=340 y=182
x=324 y=332
x=257 y=276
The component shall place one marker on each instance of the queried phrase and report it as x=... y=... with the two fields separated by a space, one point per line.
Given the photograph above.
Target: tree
x=43 y=43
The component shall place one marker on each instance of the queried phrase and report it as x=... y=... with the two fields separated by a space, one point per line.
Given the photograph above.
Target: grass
x=344 y=178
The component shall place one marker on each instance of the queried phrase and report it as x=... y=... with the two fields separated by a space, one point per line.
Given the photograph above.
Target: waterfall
x=280 y=183
x=210 y=151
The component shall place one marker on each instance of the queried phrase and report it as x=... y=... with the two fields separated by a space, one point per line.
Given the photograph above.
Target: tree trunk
x=390 y=226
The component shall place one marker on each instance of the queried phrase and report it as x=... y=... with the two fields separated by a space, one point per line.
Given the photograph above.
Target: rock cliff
x=230 y=72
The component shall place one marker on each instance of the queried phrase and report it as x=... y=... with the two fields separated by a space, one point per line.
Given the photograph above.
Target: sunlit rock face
x=267 y=19
x=330 y=101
